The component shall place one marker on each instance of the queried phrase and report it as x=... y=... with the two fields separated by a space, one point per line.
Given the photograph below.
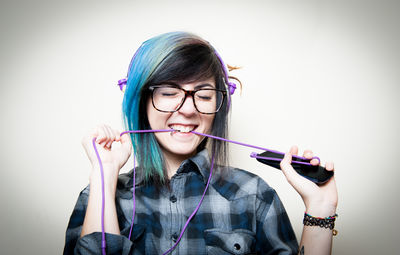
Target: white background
x=320 y=74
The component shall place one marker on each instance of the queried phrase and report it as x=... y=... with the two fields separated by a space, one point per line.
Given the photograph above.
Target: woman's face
x=181 y=145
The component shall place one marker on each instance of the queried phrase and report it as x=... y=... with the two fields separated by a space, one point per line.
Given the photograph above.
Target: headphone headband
x=231 y=85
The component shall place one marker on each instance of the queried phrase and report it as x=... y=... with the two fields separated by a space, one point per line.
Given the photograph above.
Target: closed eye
x=205 y=98
x=169 y=94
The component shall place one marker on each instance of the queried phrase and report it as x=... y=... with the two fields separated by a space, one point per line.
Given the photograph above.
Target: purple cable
x=256 y=147
x=254 y=155
x=103 y=241
x=103 y=237
x=195 y=210
x=133 y=194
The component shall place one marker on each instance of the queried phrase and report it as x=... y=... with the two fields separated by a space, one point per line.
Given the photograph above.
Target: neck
x=173 y=162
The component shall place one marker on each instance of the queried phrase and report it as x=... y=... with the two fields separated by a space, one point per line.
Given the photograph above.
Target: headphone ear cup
x=232 y=87
x=122 y=84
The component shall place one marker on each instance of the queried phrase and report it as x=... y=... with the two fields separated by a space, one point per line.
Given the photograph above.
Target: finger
x=287 y=167
x=314 y=162
x=291 y=175
x=125 y=138
x=117 y=135
x=107 y=135
x=294 y=150
x=101 y=135
x=329 y=166
x=111 y=136
x=285 y=162
x=89 y=137
x=104 y=136
x=126 y=141
x=308 y=154
x=87 y=142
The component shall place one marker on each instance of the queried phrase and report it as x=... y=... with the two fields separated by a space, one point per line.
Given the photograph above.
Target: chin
x=180 y=146
x=184 y=153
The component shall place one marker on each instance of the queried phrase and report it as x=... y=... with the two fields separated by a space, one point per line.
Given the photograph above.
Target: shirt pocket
x=237 y=241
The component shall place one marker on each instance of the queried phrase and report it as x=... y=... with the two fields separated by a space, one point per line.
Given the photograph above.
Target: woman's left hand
x=320 y=200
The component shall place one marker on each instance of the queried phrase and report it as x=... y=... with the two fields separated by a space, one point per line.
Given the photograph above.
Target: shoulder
x=125 y=180
x=125 y=185
x=234 y=183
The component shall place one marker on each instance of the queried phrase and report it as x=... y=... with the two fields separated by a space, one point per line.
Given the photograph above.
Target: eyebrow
x=204 y=85
x=199 y=86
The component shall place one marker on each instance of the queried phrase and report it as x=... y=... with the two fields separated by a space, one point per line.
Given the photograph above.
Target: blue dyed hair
x=177 y=57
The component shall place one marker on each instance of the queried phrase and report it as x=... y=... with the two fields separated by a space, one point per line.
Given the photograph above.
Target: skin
x=319 y=201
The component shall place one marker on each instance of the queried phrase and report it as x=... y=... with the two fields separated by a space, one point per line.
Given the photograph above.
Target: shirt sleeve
x=91 y=243
x=275 y=234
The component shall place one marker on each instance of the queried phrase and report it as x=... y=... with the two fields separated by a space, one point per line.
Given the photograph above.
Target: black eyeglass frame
x=187 y=92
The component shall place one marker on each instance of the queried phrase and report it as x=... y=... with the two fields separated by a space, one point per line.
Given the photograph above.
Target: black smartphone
x=317 y=174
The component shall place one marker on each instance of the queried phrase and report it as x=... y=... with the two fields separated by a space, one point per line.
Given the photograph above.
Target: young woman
x=177 y=81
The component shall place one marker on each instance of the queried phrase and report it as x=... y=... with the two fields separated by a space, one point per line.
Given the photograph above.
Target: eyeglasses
x=170 y=98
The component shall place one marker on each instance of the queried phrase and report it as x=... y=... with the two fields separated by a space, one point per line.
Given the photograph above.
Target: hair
x=171 y=57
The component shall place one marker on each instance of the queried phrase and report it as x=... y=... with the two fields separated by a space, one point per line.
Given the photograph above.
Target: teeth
x=183 y=129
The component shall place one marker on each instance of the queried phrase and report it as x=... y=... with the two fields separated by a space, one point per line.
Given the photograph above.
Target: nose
x=188 y=107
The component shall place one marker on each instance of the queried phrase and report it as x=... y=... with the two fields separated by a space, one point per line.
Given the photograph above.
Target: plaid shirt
x=240 y=214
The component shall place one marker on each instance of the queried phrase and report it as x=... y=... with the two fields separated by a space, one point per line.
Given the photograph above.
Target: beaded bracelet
x=328 y=222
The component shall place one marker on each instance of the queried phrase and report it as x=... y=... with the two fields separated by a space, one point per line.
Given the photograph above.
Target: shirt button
x=174 y=237
x=172 y=198
x=236 y=246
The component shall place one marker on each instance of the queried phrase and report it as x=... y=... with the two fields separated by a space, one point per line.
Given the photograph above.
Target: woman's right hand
x=103 y=190
x=113 y=157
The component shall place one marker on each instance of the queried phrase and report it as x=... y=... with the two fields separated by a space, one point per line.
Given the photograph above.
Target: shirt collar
x=198 y=163
x=202 y=161
x=126 y=179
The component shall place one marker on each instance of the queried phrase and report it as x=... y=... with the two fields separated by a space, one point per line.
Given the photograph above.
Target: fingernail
x=314 y=161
